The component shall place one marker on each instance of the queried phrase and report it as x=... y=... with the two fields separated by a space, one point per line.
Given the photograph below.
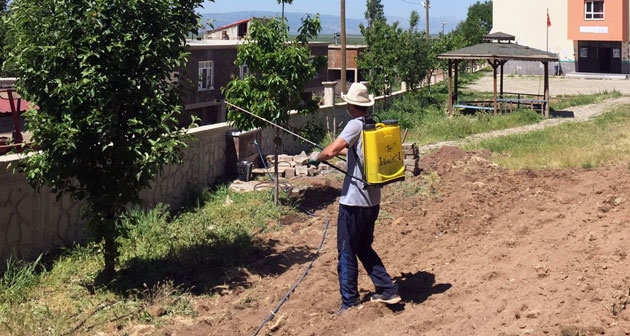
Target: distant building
x=587 y=35
x=211 y=66
x=353 y=73
x=233 y=31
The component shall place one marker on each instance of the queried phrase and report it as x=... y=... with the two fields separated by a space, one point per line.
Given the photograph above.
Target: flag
x=548 y=21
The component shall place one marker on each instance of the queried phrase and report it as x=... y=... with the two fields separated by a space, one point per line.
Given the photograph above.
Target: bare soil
x=481 y=251
x=487 y=251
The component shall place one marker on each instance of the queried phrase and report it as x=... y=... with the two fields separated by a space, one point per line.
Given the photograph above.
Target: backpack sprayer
x=382 y=150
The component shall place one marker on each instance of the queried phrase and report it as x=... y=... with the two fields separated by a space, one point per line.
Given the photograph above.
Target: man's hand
x=313 y=159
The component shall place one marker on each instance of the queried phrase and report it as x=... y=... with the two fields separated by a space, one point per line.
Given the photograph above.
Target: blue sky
x=355 y=9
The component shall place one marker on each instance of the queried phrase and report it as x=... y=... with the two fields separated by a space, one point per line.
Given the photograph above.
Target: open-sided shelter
x=497 y=48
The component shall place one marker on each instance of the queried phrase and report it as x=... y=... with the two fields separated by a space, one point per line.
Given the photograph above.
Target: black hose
x=263 y=159
x=273 y=312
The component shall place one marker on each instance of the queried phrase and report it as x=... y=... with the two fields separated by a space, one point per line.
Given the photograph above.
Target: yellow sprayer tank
x=382 y=153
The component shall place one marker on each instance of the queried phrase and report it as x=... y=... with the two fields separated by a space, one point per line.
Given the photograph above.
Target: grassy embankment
x=168 y=259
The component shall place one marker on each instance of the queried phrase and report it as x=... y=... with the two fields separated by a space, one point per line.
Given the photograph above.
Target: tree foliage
x=441 y=44
x=284 y=2
x=381 y=55
x=393 y=54
x=3 y=13
x=107 y=121
x=477 y=24
x=414 y=54
x=279 y=71
x=374 y=12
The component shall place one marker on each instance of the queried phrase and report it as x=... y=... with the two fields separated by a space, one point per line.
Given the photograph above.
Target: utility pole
x=343 y=46
x=426 y=7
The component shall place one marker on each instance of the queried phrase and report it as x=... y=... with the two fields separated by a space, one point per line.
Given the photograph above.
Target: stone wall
x=33 y=222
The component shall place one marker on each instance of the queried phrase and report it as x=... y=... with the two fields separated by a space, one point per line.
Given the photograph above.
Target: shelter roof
x=499 y=36
x=500 y=51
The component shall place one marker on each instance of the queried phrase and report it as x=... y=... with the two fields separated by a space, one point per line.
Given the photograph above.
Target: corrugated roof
x=501 y=51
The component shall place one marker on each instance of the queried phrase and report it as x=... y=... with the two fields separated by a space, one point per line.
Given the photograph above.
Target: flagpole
x=547 y=39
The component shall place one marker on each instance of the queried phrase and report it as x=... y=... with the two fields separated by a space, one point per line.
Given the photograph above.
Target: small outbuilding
x=497 y=48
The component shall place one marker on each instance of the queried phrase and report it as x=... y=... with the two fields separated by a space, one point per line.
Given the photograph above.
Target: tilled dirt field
x=476 y=249
x=480 y=251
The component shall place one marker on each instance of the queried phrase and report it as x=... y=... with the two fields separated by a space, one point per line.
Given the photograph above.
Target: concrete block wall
x=33 y=222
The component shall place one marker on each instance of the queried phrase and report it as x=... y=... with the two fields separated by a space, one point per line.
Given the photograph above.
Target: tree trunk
x=109 y=252
x=276 y=187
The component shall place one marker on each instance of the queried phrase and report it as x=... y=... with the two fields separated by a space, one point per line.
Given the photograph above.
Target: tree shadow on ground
x=317 y=197
x=417 y=288
x=561 y=114
x=210 y=268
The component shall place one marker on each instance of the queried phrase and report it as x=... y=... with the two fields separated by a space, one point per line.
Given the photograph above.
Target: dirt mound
x=476 y=250
x=443 y=159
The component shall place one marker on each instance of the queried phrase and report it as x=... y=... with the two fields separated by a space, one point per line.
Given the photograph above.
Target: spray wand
x=299 y=137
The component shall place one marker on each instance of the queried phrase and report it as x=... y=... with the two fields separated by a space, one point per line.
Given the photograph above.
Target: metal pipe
x=278 y=126
x=274 y=124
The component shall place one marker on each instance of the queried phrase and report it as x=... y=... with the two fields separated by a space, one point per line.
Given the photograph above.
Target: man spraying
x=358 y=210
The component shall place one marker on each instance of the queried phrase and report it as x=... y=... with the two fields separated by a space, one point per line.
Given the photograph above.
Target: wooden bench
x=532 y=103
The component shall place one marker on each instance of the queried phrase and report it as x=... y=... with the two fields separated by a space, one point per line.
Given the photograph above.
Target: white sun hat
x=358 y=95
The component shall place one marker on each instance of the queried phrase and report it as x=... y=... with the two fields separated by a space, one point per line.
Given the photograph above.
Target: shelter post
x=450 y=88
x=501 y=94
x=494 y=65
x=546 y=69
x=456 y=65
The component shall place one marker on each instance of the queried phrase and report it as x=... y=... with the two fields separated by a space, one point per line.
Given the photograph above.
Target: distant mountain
x=330 y=23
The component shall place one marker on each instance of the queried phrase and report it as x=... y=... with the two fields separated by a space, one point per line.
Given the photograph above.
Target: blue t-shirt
x=353 y=192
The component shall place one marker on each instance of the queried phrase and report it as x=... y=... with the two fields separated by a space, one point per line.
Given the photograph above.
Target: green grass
x=164 y=260
x=562 y=102
x=423 y=117
x=601 y=141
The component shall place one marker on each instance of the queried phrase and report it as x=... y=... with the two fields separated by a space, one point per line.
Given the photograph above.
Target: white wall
x=527 y=20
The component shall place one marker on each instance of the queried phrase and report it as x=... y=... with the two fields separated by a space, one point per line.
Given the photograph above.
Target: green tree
x=283 y=2
x=3 y=13
x=381 y=55
x=107 y=121
x=439 y=45
x=413 y=54
x=374 y=12
x=279 y=71
x=477 y=24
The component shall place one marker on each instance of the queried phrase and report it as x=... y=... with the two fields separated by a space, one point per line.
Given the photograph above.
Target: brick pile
x=411 y=158
x=290 y=166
